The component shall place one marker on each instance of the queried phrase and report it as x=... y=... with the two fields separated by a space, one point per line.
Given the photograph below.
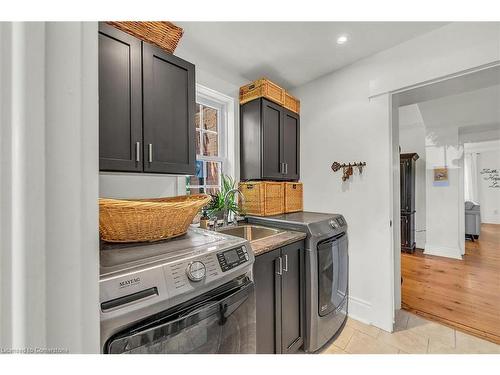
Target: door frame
x=394 y=167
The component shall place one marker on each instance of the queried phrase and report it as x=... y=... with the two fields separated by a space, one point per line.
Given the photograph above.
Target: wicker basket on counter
x=163 y=34
x=293 y=197
x=263 y=198
x=262 y=88
x=141 y=220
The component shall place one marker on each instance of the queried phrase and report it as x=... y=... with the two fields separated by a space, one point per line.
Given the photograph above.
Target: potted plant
x=217 y=206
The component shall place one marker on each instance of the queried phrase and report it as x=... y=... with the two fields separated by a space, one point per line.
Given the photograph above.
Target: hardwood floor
x=463 y=294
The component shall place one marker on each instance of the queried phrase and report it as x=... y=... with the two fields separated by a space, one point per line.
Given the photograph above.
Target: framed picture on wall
x=441 y=176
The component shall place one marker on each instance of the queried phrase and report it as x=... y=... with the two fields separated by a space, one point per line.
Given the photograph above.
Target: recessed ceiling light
x=342 y=39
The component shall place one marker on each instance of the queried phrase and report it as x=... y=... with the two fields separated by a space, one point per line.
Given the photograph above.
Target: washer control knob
x=196 y=271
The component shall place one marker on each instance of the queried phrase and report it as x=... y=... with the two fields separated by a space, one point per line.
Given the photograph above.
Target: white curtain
x=471 y=181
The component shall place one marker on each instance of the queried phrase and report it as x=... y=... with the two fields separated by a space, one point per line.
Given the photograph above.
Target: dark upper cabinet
x=120 y=101
x=291 y=148
x=169 y=106
x=269 y=142
x=279 y=287
x=272 y=135
x=146 y=107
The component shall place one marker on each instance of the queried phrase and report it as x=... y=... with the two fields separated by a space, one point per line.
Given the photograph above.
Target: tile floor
x=412 y=335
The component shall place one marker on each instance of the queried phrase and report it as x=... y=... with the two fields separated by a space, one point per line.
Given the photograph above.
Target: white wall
x=340 y=122
x=489 y=196
x=49 y=247
x=133 y=185
x=412 y=139
x=444 y=204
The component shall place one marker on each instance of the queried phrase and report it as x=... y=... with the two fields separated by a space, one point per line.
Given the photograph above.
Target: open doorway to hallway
x=449 y=199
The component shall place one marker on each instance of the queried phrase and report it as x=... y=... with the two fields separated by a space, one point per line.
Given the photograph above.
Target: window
x=210 y=146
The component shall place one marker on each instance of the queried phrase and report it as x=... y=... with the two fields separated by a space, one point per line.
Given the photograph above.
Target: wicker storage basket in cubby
x=293 y=197
x=263 y=198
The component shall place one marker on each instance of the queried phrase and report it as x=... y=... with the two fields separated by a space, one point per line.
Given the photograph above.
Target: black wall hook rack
x=348 y=168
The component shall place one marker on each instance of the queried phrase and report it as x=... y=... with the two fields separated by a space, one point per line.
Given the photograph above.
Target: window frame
x=212 y=99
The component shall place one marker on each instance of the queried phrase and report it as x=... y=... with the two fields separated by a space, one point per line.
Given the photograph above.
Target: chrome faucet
x=226 y=209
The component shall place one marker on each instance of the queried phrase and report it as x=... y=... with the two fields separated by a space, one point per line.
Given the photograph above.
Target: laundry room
x=298 y=188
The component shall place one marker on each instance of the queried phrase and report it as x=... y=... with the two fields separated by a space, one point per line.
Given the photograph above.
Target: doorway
x=437 y=128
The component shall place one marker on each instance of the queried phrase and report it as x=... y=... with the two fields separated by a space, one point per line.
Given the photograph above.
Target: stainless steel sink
x=250 y=232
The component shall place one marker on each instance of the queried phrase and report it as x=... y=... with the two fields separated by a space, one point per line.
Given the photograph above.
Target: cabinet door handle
x=137 y=151
x=150 y=152
x=286 y=263
x=286 y=168
x=280 y=266
x=281 y=168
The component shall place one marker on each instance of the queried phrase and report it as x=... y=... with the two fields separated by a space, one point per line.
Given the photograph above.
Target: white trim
x=359 y=308
x=230 y=132
x=49 y=257
x=443 y=251
x=225 y=106
x=438 y=80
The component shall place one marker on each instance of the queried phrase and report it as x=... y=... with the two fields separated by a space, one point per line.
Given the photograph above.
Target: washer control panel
x=196 y=271
x=232 y=258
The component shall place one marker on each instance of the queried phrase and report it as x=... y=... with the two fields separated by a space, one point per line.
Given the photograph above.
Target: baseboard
x=443 y=251
x=359 y=310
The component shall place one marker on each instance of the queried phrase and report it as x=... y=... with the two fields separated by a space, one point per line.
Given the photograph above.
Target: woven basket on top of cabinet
x=141 y=220
x=262 y=88
x=263 y=198
x=291 y=103
x=293 y=197
x=163 y=34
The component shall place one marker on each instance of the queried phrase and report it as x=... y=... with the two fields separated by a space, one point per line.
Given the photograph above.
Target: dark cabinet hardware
x=269 y=142
x=279 y=287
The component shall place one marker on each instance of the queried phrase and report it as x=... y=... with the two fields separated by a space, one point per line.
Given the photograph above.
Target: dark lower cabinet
x=146 y=107
x=279 y=287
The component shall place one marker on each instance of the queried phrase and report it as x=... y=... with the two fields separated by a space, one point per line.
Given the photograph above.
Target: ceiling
x=469 y=82
x=473 y=108
x=289 y=53
x=469 y=110
x=470 y=102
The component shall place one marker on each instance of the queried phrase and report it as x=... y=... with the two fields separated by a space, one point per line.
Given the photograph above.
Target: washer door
x=222 y=322
x=332 y=274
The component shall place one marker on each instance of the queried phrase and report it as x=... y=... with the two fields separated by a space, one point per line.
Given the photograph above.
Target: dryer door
x=223 y=321
x=332 y=273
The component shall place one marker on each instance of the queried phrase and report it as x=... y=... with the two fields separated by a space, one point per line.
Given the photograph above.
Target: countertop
x=264 y=245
